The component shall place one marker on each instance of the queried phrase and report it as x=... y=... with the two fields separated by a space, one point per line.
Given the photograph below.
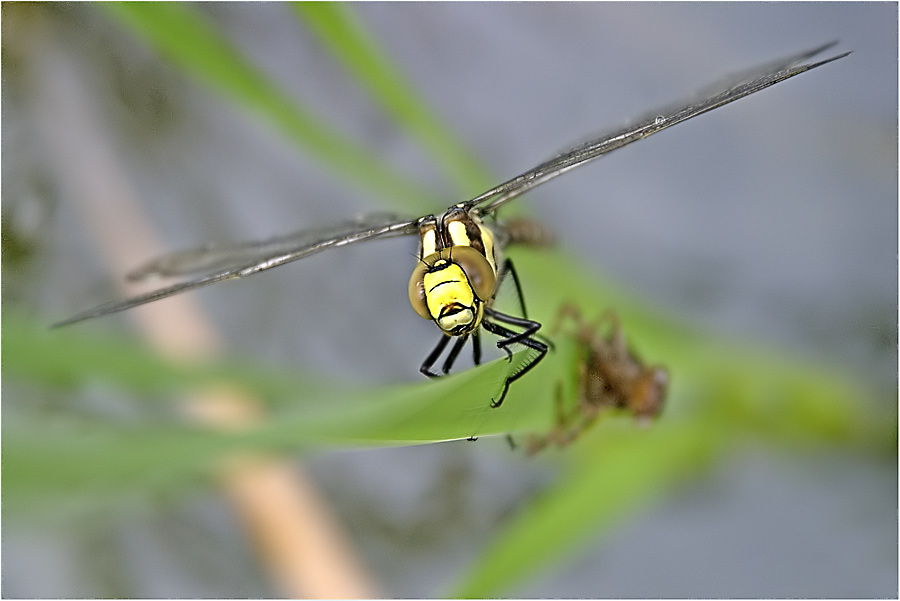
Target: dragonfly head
x=451 y=286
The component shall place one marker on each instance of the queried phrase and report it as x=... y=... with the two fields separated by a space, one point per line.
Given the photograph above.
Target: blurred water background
x=773 y=219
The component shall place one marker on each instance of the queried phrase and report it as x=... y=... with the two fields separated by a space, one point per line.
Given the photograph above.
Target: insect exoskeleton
x=460 y=264
x=457 y=272
x=451 y=287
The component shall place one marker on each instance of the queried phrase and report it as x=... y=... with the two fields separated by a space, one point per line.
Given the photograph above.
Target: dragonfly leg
x=530 y=327
x=453 y=354
x=510 y=337
x=476 y=348
x=432 y=357
x=509 y=268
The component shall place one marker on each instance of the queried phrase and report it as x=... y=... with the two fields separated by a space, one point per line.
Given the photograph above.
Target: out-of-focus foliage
x=722 y=392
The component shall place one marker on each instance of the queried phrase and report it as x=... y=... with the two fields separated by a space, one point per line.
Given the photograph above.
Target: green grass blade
x=341 y=32
x=68 y=462
x=626 y=470
x=761 y=391
x=309 y=408
x=68 y=357
x=724 y=392
x=63 y=467
x=721 y=394
x=104 y=458
x=186 y=38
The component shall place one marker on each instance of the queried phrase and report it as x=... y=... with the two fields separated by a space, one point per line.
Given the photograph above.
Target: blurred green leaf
x=722 y=392
x=452 y=407
x=185 y=37
x=337 y=27
x=66 y=462
x=60 y=467
x=752 y=389
x=627 y=470
x=69 y=357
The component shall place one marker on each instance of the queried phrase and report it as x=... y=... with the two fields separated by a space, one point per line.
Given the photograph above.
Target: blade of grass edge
x=154 y=20
x=62 y=462
x=340 y=30
x=310 y=408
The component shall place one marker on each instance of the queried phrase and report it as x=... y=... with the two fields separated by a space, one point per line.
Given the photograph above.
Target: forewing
x=747 y=83
x=213 y=264
x=225 y=257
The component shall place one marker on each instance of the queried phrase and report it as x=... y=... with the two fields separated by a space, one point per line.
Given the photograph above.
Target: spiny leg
x=531 y=327
x=508 y=335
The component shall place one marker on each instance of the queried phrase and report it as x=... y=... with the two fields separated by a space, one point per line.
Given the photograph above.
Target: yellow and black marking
x=454 y=285
x=460 y=267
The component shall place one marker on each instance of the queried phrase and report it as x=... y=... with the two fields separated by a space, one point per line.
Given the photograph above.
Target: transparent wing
x=745 y=84
x=218 y=263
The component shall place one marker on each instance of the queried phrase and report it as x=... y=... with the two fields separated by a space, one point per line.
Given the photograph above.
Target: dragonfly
x=460 y=263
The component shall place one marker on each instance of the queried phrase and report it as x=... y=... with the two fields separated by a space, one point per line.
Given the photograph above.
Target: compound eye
x=417 y=290
x=480 y=273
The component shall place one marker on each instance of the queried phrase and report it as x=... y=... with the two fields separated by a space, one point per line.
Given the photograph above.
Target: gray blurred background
x=773 y=219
